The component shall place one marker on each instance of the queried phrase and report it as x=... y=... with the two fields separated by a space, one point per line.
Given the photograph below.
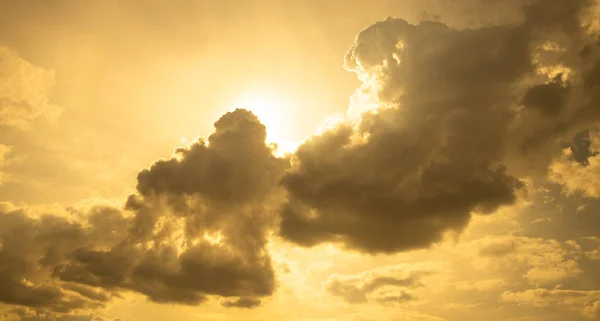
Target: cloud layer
x=453 y=124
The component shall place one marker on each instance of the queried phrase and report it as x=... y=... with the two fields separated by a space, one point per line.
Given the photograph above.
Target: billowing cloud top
x=460 y=114
x=198 y=227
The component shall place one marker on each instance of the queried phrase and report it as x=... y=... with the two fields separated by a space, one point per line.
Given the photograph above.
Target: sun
x=271 y=111
x=266 y=107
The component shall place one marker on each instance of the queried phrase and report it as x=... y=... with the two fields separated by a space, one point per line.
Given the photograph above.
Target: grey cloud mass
x=464 y=115
x=197 y=228
x=200 y=223
x=575 y=176
x=34 y=246
x=246 y=303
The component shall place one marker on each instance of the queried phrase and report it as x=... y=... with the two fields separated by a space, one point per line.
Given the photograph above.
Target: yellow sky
x=466 y=191
x=134 y=78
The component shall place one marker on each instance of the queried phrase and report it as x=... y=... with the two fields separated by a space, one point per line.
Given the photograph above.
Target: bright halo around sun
x=272 y=112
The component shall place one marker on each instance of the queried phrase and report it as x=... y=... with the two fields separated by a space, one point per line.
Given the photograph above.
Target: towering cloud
x=460 y=114
x=200 y=222
x=197 y=228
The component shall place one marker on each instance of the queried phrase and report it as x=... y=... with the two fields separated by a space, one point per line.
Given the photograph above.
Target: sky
x=388 y=160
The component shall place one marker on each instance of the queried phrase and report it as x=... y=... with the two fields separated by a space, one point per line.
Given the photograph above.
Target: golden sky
x=384 y=160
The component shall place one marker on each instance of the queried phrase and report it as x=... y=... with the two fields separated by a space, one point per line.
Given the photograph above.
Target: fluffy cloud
x=461 y=115
x=33 y=246
x=234 y=167
x=197 y=228
x=24 y=91
x=200 y=224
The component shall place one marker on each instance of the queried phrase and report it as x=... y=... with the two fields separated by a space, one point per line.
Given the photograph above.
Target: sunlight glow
x=214 y=238
x=271 y=111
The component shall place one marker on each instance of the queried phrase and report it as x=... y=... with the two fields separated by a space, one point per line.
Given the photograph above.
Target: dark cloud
x=246 y=303
x=197 y=228
x=33 y=248
x=200 y=222
x=410 y=172
x=579 y=177
x=234 y=166
x=549 y=99
x=581 y=148
x=450 y=136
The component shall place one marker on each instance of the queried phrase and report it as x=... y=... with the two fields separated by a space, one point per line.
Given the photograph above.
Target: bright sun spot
x=271 y=111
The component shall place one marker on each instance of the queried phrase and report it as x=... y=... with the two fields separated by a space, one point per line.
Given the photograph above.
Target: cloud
x=458 y=116
x=578 y=177
x=6 y=207
x=24 y=91
x=549 y=99
x=34 y=245
x=4 y=150
x=246 y=303
x=384 y=285
x=539 y=261
x=455 y=120
x=24 y=314
x=498 y=249
x=591 y=247
x=587 y=302
x=235 y=166
x=196 y=228
x=200 y=223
